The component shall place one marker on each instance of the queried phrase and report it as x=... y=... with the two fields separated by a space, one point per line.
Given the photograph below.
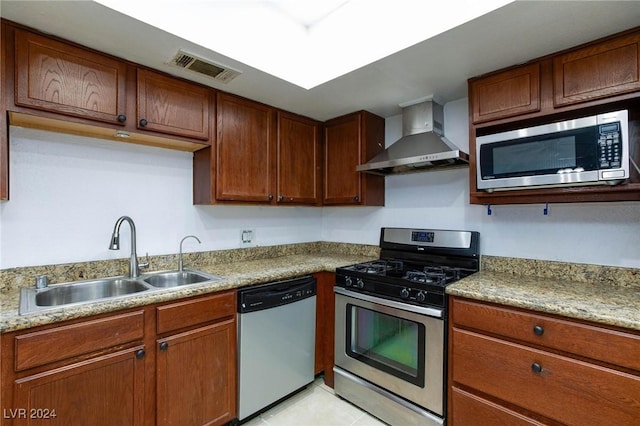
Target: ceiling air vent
x=203 y=66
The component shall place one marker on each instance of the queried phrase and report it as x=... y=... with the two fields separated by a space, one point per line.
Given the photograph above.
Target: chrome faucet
x=134 y=265
x=180 y=265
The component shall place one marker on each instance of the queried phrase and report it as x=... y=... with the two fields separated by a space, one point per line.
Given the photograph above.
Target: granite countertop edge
x=604 y=304
x=233 y=275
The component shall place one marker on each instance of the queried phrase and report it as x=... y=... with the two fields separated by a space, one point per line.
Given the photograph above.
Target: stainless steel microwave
x=585 y=151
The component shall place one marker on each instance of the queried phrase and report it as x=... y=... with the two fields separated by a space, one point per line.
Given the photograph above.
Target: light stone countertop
x=234 y=274
x=596 y=301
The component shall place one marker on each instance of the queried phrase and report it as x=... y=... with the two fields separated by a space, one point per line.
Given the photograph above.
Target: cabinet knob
x=280 y=198
x=122 y=118
x=143 y=123
x=270 y=197
x=164 y=346
x=536 y=368
x=356 y=199
x=538 y=330
x=140 y=353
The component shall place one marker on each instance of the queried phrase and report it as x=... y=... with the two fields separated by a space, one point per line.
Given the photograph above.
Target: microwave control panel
x=610 y=146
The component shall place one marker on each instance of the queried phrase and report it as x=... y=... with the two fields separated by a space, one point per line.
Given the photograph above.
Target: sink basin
x=178 y=278
x=88 y=291
x=79 y=292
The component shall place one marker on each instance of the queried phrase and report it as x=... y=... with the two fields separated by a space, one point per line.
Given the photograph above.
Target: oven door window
x=390 y=344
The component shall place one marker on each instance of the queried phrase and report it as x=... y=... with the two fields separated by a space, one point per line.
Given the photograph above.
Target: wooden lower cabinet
x=325 y=320
x=196 y=376
x=107 y=390
x=511 y=366
x=173 y=363
x=196 y=361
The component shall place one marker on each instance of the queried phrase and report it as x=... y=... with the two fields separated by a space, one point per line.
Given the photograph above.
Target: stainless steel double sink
x=81 y=292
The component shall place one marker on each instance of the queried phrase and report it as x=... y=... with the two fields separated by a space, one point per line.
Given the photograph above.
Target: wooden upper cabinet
x=597 y=71
x=61 y=78
x=351 y=140
x=172 y=106
x=505 y=94
x=298 y=160
x=245 y=166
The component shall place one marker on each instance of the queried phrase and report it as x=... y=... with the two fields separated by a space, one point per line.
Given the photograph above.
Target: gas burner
x=379 y=267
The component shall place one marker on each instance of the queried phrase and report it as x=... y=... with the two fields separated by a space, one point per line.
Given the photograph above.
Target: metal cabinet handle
x=143 y=123
x=122 y=118
x=538 y=330
x=164 y=346
x=270 y=197
x=280 y=198
x=356 y=199
x=140 y=353
x=536 y=368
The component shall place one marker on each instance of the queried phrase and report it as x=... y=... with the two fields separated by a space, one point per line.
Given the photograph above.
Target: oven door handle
x=432 y=312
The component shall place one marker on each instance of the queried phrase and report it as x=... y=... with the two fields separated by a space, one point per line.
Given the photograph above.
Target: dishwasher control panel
x=265 y=296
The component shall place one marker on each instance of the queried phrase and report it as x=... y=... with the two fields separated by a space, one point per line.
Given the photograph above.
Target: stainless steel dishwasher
x=276 y=342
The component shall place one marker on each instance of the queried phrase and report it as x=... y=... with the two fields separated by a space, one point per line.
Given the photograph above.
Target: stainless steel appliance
x=391 y=323
x=276 y=342
x=586 y=151
x=423 y=146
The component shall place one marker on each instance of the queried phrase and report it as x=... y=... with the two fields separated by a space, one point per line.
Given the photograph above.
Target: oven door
x=396 y=346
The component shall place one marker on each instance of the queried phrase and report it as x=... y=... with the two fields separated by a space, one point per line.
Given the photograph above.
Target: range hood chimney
x=422 y=147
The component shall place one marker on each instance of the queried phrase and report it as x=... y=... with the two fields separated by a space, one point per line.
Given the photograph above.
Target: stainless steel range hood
x=422 y=146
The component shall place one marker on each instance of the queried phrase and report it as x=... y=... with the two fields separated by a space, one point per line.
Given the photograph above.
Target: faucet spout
x=134 y=266
x=180 y=264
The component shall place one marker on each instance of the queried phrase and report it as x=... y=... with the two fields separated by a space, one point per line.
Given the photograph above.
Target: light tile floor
x=317 y=405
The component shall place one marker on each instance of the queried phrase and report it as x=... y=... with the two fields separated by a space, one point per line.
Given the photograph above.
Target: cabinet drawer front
x=596 y=395
x=506 y=94
x=193 y=312
x=598 y=71
x=581 y=339
x=55 y=344
x=469 y=409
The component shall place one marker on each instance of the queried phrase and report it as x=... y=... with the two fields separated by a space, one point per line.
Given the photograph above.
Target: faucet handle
x=145 y=264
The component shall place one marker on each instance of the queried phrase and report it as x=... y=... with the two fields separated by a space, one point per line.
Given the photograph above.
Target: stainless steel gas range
x=391 y=323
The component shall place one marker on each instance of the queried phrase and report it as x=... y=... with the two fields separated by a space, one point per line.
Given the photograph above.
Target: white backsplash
x=68 y=191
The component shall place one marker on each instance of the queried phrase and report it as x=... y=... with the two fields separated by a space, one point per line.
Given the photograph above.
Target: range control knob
x=420 y=297
x=404 y=293
x=359 y=283
x=347 y=281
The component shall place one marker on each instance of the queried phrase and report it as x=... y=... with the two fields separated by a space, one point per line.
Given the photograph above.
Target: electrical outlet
x=247 y=236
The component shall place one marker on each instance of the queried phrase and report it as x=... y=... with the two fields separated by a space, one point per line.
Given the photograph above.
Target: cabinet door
x=597 y=71
x=196 y=376
x=505 y=94
x=172 y=106
x=57 y=77
x=342 y=153
x=107 y=390
x=244 y=163
x=298 y=160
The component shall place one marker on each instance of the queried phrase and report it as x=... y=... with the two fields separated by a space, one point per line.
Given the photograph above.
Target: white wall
x=601 y=233
x=67 y=192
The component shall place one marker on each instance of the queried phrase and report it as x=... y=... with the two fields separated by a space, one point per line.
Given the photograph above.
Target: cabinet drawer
x=606 y=345
x=505 y=370
x=55 y=344
x=469 y=409
x=193 y=312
